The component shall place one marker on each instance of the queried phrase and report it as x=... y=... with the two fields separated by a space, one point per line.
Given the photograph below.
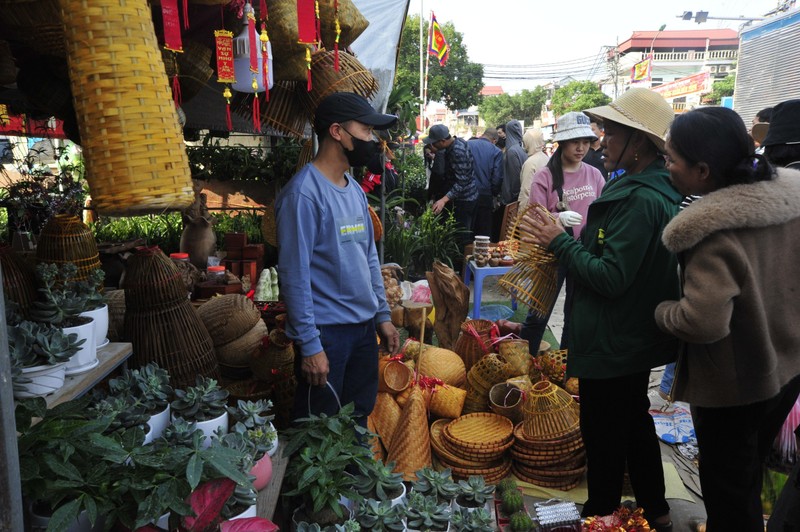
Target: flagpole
x=422 y=53
x=427 y=69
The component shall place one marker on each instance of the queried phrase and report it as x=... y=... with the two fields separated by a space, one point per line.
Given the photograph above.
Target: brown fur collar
x=758 y=204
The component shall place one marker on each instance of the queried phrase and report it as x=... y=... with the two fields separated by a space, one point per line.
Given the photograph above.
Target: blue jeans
x=667 y=378
x=352 y=352
x=534 y=325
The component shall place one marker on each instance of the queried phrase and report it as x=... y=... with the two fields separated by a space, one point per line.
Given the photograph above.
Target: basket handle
x=335 y=395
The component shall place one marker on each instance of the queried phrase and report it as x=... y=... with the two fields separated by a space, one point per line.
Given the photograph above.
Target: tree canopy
x=721 y=87
x=527 y=105
x=458 y=84
x=577 y=96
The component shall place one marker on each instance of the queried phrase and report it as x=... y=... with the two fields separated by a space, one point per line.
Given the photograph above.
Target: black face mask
x=501 y=143
x=362 y=153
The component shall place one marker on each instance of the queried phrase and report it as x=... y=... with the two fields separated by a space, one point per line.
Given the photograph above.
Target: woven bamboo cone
x=375 y=442
x=19 y=282
x=65 y=238
x=411 y=446
x=132 y=142
x=385 y=416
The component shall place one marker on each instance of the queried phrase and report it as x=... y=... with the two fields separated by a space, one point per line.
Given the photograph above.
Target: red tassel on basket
x=256 y=112
x=186 y=14
x=176 y=90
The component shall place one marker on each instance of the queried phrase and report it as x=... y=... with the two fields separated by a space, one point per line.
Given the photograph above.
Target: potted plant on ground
x=381 y=516
x=252 y=423
x=380 y=482
x=60 y=304
x=204 y=403
x=436 y=483
x=149 y=385
x=95 y=306
x=474 y=493
x=427 y=513
x=39 y=353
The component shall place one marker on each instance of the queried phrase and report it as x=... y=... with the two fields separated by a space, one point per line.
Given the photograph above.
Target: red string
x=176 y=90
x=256 y=113
x=186 y=14
x=336 y=56
x=228 y=120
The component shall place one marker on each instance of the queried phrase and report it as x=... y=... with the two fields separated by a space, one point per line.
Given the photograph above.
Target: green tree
x=527 y=105
x=458 y=84
x=722 y=87
x=577 y=96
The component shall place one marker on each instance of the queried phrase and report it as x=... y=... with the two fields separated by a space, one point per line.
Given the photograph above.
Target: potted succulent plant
x=381 y=516
x=95 y=306
x=427 y=513
x=150 y=386
x=242 y=503
x=253 y=423
x=60 y=303
x=436 y=483
x=204 y=403
x=477 y=520
x=474 y=493
x=379 y=481
x=39 y=354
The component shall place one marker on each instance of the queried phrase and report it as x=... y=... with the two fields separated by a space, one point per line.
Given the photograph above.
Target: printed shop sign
x=681 y=87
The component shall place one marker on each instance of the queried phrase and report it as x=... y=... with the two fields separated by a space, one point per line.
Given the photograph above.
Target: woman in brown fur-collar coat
x=739 y=252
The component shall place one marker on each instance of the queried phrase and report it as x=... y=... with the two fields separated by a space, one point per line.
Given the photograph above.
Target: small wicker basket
x=549 y=412
x=65 y=238
x=475 y=341
x=393 y=376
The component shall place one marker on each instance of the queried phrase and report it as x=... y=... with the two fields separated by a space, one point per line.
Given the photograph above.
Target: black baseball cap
x=784 y=126
x=343 y=106
x=436 y=133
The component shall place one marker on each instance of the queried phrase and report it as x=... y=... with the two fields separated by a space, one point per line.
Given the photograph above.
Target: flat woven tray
x=522 y=440
x=483 y=455
x=438 y=447
x=481 y=430
x=563 y=485
x=492 y=469
x=565 y=461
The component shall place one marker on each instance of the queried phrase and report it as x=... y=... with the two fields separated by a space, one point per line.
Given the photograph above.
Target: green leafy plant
x=508 y=483
x=92 y=289
x=474 y=492
x=59 y=301
x=416 y=243
x=435 y=483
x=251 y=414
x=150 y=384
x=201 y=402
x=124 y=410
x=379 y=481
x=380 y=515
x=427 y=513
x=162 y=230
x=512 y=502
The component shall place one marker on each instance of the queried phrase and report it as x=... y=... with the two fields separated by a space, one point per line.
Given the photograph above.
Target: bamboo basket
x=442 y=364
x=65 y=238
x=549 y=412
x=228 y=317
x=275 y=358
x=385 y=416
x=375 y=442
x=283 y=112
x=444 y=455
x=446 y=401
x=475 y=401
x=246 y=390
x=34 y=24
x=351 y=77
x=193 y=67
x=19 y=281
x=488 y=371
x=475 y=341
x=238 y=353
x=152 y=281
x=393 y=376
x=506 y=400
x=411 y=447
x=479 y=431
x=517 y=354
x=115 y=299
x=132 y=142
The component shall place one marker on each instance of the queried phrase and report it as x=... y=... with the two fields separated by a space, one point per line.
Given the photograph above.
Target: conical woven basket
x=351 y=77
x=393 y=376
x=516 y=352
x=375 y=442
x=152 y=281
x=442 y=364
x=19 y=282
x=385 y=416
x=446 y=401
x=228 y=317
x=275 y=358
x=411 y=447
x=549 y=412
x=132 y=142
x=507 y=400
x=238 y=352
x=65 y=238
x=475 y=341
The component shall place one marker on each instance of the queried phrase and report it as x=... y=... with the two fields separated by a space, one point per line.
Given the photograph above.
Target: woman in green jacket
x=621 y=271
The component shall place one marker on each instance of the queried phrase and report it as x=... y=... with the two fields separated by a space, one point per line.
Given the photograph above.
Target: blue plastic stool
x=480 y=274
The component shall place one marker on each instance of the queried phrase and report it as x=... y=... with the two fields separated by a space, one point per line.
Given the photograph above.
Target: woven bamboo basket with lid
x=549 y=412
x=475 y=341
x=132 y=142
x=228 y=317
x=19 y=282
x=65 y=238
x=152 y=281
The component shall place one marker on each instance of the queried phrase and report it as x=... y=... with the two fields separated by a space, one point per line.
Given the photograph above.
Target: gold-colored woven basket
x=351 y=23
x=385 y=416
x=19 y=282
x=351 y=77
x=474 y=342
x=480 y=431
x=442 y=364
x=446 y=401
x=516 y=352
x=65 y=238
x=393 y=376
x=447 y=457
x=132 y=142
x=549 y=412
x=488 y=371
x=238 y=352
x=411 y=447
x=228 y=317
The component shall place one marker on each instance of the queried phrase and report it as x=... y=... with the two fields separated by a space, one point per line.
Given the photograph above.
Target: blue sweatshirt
x=327 y=261
x=487 y=164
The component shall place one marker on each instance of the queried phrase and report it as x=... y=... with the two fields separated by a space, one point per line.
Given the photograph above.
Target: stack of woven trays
x=474 y=444
x=548 y=449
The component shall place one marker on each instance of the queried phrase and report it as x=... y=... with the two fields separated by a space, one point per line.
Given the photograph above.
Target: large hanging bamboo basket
x=132 y=142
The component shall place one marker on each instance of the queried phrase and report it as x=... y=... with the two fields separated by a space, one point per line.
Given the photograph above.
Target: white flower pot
x=158 y=422
x=44 y=380
x=249 y=512
x=400 y=499
x=100 y=317
x=274 y=447
x=211 y=425
x=86 y=357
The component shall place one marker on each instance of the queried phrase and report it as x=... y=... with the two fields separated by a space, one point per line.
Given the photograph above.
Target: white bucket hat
x=573 y=126
x=640 y=109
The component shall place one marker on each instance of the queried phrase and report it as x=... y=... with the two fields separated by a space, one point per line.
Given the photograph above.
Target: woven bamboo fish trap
x=115 y=299
x=385 y=416
x=533 y=277
x=65 y=238
x=19 y=282
x=516 y=352
x=132 y=142
x=275 y=359
x=152 y=281
x=506 y=400
x=283 y=112
x=192 y=66
x=238 y=352
x=549 y=412
x=475 y=341
x=351 y=77
x=411 y=447
x=228 y=317
x=393 y=376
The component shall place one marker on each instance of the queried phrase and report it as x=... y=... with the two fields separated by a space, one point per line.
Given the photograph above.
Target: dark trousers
x=352 y=352
x=617 y=430
x=464 y=213
x=482 y=224
x=534 y=325
x=733 y=442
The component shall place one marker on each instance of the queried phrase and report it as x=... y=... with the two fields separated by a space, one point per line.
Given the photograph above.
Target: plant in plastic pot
x=149 y=385
x=474 y=492
x=381 y=515
x=379 y=481
x=204 y=403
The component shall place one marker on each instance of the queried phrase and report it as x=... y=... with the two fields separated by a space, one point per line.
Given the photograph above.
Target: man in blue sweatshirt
x=328 y=265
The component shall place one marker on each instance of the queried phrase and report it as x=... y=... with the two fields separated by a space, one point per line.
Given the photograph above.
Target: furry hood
x=759 y=204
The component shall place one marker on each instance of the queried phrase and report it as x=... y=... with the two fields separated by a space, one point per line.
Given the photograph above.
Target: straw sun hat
x=640 y=109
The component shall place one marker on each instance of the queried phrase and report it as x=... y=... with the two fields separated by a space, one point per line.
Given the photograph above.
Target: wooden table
x=268 y=497
x=111 y=357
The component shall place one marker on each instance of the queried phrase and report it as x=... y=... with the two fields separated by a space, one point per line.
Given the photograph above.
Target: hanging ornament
x=172 y=25
x=266 y=49
x=225 y=69
x=249 y=65
x=308 y=31
x=338 y=34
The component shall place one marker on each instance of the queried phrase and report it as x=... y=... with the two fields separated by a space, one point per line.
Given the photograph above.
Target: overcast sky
x=531 y=32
